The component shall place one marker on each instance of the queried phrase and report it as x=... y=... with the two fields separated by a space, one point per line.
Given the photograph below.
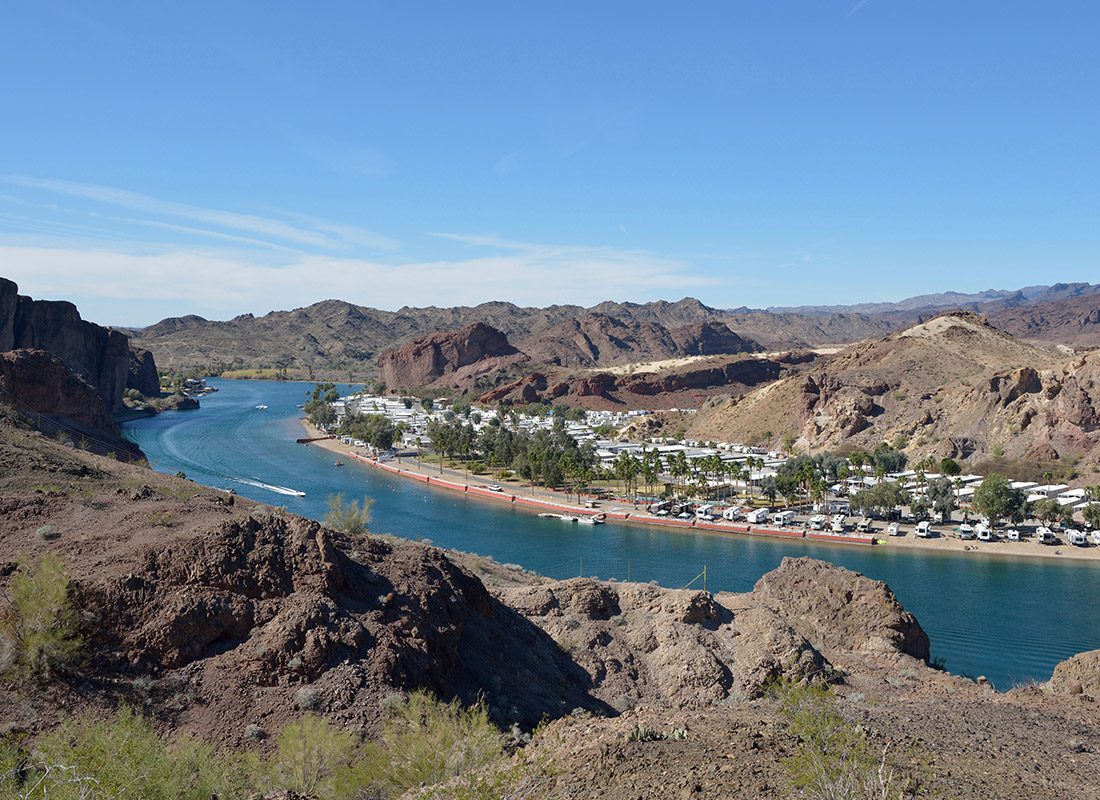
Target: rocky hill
x=953 y=385
x=651 y=386
x=455 y=357
x=220 y=618
x=1073 y=321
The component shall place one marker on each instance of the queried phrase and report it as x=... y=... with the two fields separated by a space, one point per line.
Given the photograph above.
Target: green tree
x=941 y=496
x=950 y=467
x=997 y=499
x=1092 y=515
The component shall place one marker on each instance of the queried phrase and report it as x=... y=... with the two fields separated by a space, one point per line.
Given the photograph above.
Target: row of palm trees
x=689 y=476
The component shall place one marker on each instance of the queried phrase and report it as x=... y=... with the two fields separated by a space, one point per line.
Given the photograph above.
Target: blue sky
x=220 y=158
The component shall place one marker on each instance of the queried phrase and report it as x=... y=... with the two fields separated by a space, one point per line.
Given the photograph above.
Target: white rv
x=758 y=516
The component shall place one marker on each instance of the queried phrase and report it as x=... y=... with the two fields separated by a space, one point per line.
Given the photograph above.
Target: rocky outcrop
x=684 y=386
x=711 y=338
x=1078 y=675
x=843 y=612
x=101 y=356
x=426 y=360
x=142 y=374
x=38 y=387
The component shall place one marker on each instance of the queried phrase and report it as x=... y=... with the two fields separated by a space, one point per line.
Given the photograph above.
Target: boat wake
x=269 y=487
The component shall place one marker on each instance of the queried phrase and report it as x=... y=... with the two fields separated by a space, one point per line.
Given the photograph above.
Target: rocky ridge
x=951 y=386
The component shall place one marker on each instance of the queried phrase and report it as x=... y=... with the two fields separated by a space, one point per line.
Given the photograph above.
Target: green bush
x=350 y=517
x=122 y=758
x=38 y=625
x=314 y=759
x=426 y=742
x=835 y=759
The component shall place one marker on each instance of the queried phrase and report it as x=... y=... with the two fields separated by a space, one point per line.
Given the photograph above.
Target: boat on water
x=568 y=518
x=591 y=519
x=261 y=407
x=271 y=488
x=339 y=463
x=548 y=515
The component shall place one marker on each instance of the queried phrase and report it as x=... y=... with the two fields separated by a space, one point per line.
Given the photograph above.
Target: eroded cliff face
x=101 y=356
x=59 y=403
x=425 y=361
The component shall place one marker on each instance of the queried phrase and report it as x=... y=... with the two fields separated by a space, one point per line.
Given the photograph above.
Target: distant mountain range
x=988 y=299
x=334 y=335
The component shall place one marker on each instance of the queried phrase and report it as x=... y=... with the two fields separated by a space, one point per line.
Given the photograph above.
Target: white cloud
x=221 y=285
x=309 y=233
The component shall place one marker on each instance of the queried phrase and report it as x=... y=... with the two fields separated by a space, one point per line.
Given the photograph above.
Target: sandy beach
x=538 y=500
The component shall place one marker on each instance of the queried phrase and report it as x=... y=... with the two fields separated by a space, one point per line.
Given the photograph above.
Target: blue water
x=1010 y=619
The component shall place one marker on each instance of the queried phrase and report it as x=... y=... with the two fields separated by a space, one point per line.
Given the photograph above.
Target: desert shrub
x=122 y=758
x=307 y=698
x=350 y=517
x=313 y=759
x=426 y=742
x=47 y=533
x=834 y=759
x=161 y=519
x=38 y=621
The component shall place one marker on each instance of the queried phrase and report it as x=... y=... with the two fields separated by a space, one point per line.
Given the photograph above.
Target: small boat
x=548 y=515
x=339 y=463
x=586 y=520
x=568 y=518
x=261 y=408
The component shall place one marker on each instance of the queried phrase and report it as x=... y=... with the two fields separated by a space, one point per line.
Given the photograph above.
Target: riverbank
x=538 y=500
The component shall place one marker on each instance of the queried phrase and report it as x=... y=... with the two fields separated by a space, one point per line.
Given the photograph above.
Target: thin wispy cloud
x=265 y=227
x=856 y=8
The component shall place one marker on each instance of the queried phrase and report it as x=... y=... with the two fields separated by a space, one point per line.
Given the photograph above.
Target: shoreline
x=535 y=500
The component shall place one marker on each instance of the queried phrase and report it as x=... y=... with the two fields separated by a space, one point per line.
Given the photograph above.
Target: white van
x=923 y=529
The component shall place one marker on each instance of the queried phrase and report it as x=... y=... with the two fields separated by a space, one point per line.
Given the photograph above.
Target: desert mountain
x=988 y=300
x=1073 y=321
x=953 y=385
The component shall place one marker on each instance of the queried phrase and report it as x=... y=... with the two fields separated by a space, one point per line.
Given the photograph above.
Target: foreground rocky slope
x=214 y=614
